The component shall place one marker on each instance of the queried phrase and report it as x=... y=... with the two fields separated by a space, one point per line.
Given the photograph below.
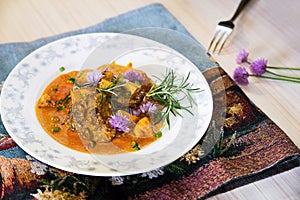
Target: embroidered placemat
x=248 y=147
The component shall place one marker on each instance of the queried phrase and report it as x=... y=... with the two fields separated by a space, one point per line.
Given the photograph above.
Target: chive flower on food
x=135 y=112
x=133 y=76
x=240 y=75
x=119 y=122
x=94 y=77
x=242 y=57
x=148 y=107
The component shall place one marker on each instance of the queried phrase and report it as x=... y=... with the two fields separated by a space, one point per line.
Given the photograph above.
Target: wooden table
x=268 y=29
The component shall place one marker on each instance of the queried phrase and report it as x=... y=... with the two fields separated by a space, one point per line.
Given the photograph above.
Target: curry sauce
x=58 y=113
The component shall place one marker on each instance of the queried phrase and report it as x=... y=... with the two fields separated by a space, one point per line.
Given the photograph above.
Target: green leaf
x=61 y=69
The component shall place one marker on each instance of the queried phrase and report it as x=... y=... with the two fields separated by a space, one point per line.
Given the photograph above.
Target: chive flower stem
x=288 y=68
x=276 y=78
x=284 y=76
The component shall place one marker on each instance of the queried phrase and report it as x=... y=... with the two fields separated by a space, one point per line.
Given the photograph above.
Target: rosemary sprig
x=168 y=90
x=109 y=89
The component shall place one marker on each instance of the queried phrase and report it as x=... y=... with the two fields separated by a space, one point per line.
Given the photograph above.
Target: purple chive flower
x=94 y=77
x=242 y=57
x=133 y=76
x=240 y=75
x=135 y=112
x=148 y=107
x=258 y=66
x=119 y=122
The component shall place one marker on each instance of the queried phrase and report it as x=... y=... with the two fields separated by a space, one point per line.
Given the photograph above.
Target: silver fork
x=224 y=29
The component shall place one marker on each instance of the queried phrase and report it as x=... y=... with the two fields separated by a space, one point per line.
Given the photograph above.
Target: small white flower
x=38 y=195
x=153 y=174
x=38 y=168
x=117 y=180
x=28 y=157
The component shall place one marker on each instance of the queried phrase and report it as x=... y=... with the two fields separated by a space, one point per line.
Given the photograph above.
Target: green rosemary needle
x=109 y=89
x=168 y=90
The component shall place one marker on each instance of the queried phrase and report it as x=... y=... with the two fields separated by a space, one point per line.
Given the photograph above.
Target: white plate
x=28 y=79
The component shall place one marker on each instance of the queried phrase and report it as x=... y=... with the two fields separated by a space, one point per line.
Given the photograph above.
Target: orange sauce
x=51 y=117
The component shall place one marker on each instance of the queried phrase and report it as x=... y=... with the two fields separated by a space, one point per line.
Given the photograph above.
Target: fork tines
x=221 y=35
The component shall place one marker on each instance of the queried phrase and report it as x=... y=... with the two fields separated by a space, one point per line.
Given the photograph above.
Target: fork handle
x=239 y=9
